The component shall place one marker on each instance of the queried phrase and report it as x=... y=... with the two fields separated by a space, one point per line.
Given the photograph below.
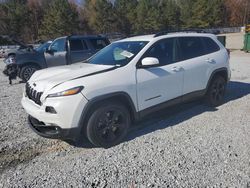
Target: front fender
x=122 y=95
x=33 y=58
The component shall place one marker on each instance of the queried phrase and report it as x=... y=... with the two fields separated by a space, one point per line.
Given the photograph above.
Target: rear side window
x=77 y=45
x=211 y=45
x=190 y=47
x=164 y=51
x=99 y=43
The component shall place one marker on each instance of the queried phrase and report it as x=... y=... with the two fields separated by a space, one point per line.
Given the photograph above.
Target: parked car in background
x=28 y=53
x=12 y=46
x=13 y=49
x=9 y=50
x=62 y=51
x=124 y=82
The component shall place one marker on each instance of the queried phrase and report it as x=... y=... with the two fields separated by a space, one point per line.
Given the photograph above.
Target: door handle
x=210 y=61
x=176 y=69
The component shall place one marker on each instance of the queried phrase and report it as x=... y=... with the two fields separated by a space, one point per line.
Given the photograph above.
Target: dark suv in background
x=63 y=51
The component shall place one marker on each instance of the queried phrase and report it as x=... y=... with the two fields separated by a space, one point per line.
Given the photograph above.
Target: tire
x=27 y=71
x=108 y=124
x=216 y=91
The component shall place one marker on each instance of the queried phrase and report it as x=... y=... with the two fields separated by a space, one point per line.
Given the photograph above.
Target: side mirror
x=49 y=51
x=149 y=61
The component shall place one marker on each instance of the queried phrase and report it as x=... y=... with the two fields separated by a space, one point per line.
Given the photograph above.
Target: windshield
x=43 y=47
x=119 y=53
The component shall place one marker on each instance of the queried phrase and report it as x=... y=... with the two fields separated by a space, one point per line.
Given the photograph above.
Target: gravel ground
x=191 y=146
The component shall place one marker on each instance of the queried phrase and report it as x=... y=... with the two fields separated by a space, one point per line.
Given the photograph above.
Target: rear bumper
x=52 y=131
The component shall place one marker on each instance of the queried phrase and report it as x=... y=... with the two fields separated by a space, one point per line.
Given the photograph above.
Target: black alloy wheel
x=216 y=92
x=108 y=125
x=27 y=72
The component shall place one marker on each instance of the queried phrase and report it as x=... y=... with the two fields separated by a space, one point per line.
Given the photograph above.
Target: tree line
x=31 y=20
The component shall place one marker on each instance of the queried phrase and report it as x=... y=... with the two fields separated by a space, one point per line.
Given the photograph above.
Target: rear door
x=195 y=63
x=79 y=51
x=57 y=54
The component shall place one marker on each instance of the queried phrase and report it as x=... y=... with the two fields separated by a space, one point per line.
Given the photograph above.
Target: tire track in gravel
x=13 y=157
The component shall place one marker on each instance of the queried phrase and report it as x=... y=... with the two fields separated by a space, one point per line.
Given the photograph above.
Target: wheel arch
x=21 y=66
x=218 y=72
x=11 y=53
x=29 y=63
x=121 y=97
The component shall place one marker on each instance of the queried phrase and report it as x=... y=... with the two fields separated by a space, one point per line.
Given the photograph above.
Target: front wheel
x=216 y=91
x=108 y=124
x=27 y=71
x=11 y=55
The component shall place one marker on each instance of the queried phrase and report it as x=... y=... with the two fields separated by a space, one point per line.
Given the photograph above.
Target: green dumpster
x=247 y=42
x=222 y=39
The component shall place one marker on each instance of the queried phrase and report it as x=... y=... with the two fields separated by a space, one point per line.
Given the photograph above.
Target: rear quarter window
x=211 y=45
x=99 y=43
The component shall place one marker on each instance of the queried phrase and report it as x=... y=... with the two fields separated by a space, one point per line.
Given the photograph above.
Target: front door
x=57 y=53
x=156 y=85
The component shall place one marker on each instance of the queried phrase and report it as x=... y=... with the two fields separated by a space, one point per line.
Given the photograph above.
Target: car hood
x=26 y=51
x=46 y=79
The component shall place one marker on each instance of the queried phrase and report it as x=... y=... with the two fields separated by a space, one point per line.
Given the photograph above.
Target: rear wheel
x=108 y=124
x=216 y=91
x=27 y=71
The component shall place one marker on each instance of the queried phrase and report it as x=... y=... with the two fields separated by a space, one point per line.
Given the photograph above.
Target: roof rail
x=86 y=35
x=180 y=30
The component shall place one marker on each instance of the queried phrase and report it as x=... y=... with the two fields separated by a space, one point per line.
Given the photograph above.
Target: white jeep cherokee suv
x=124 y=82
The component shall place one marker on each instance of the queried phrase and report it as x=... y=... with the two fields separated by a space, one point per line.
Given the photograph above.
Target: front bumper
x=67 y=117
x=53 y=131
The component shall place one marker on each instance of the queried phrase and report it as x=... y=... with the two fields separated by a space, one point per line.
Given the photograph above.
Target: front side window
x=118 y=53
x=190 y=47
x=164 y=51
x=77 y=45
x=43 y=47
x=58 y=45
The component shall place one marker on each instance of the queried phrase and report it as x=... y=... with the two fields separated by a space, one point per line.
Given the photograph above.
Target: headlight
x=10 y=60
x=68 y=92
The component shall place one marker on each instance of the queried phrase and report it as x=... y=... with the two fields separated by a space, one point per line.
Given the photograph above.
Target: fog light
x=50 y=109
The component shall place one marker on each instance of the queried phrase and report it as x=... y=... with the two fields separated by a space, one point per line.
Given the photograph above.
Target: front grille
x=33 y=94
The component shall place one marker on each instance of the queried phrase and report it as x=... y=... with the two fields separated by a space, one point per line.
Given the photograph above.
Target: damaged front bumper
x=52 y=131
